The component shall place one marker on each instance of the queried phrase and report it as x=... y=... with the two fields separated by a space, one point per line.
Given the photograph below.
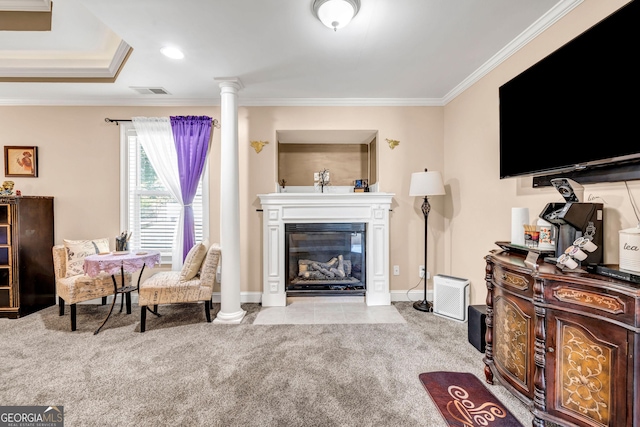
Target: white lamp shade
x=426 y=184
x=336 y=13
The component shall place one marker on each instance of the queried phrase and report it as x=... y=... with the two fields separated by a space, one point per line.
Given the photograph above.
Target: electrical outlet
x=421 y=272
x=396 y=270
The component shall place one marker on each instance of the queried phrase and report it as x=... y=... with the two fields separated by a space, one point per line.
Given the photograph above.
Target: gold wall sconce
x=393 y=143
x=257 y=145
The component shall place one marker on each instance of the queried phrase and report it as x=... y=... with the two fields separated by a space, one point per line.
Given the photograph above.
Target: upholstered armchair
x=193 y=284
x=72 y=285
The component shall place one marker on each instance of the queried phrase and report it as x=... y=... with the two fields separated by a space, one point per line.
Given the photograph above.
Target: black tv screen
x=578 y=107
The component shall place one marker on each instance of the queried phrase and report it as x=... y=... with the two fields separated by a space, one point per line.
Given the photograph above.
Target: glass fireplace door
x=325 y=258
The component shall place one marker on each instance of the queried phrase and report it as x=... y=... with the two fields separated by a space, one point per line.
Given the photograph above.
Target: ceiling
x=394 y=52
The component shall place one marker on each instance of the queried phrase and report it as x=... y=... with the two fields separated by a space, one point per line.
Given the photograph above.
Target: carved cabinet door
x=586 y=365
x=513 y=340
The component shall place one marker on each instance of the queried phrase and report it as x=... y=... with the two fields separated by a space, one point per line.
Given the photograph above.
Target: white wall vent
x=150 y=90
x=450 y=297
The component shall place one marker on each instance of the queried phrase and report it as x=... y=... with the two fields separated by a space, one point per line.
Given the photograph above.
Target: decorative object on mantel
x=425 y=184
x=257 y=145
x=283 y=183
x=393 y=143
x=321 y=179
x=361 y=186
x=21 y=161
x=7 y=188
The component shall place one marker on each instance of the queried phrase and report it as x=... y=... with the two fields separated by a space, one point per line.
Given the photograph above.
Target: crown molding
x=88 y=72
x=25 y=5
x=153 y=101
x=148 y=101
x=341 y=102
x=556 y=13
x=119 y=58
x=548 y=19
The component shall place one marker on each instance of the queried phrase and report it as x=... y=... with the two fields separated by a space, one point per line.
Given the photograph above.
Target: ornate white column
x=230 y=309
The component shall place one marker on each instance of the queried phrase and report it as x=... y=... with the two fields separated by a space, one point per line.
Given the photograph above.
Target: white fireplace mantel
x=283 y=208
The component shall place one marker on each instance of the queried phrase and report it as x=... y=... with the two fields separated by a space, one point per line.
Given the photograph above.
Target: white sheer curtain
x=156 y=137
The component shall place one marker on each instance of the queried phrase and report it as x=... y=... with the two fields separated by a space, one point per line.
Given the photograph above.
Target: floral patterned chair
x=194 y=283
x=72 y=285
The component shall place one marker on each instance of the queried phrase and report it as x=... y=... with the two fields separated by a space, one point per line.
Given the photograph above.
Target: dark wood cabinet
x=27 y=281
x=564 y=342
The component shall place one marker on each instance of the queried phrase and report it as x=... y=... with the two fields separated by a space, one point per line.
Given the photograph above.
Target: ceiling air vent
x=150 y=90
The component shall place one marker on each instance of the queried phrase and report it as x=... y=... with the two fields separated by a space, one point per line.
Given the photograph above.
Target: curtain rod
x=116 y=121
x=215 y=122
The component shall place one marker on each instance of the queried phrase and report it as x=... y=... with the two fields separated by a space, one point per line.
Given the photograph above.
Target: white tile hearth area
x=327 y=310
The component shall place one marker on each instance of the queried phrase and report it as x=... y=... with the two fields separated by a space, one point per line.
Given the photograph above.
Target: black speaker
x=477 y=326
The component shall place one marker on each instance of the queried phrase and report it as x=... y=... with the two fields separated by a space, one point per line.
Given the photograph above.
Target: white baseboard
x=245 y=297
x=256 y=297
x=414 y=295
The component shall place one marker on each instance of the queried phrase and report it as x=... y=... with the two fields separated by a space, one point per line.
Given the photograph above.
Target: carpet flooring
x=185 y=372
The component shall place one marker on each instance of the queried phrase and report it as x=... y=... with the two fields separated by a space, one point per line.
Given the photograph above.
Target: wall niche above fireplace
x=347 y=154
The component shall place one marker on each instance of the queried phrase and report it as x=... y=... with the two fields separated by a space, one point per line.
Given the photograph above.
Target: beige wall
x=297 y=163
x=79 y=166
x=419 y=130
x=478 y=206
x=79 y=163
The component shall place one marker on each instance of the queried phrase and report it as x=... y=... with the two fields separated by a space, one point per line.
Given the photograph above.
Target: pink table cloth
x=111 y=263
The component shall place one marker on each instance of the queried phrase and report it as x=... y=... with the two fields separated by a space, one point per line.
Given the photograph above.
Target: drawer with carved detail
x=512 y=280
x=593 y=301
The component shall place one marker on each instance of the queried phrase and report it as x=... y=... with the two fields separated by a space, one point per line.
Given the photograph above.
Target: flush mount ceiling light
x=335 y=13
x=172 y=52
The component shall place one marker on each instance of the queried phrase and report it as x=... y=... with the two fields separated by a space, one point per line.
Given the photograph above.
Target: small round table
x=119 y=262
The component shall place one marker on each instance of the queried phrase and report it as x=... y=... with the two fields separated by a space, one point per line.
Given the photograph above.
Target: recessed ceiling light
x=172 y=52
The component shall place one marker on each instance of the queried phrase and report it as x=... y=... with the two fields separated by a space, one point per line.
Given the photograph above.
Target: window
x=147 y=209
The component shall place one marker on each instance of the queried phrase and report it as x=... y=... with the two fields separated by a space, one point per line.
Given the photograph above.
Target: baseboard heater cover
x=450 y=297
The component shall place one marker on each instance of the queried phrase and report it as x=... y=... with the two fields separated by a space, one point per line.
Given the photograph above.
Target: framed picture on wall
x=21 y=161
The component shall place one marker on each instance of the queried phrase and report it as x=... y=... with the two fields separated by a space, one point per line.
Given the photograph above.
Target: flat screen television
x=575 y=112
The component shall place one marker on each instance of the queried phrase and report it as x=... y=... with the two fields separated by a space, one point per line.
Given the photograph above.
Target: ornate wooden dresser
x=565 y=343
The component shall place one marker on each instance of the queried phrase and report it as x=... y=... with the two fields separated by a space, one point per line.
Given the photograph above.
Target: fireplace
x=325 y=258
x=368 y=251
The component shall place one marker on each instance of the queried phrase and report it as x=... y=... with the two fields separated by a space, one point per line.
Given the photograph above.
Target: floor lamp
x=425 y=184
